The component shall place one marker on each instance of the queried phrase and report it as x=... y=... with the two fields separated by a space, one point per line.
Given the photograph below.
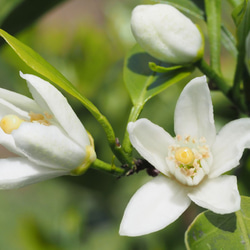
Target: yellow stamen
x=184 y=155
x=10 y=123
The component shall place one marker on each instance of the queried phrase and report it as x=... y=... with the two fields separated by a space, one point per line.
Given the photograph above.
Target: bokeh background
x=87 y=42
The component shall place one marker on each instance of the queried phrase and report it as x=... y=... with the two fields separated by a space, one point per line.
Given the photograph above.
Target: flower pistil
x=187 y=158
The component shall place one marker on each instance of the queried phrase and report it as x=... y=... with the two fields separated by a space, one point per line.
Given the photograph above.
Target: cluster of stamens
x=12 y=122
x=187 y=154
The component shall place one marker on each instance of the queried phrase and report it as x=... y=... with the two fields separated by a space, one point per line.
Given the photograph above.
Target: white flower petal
x=219 y=195
x=18 y=172
x=229 y=145
x=19 y=101
x=7 y=141
x=154 y=206
x=8 y=108
x=47 y=145
x=151 y=141
x=194 y=111
x=52 y=101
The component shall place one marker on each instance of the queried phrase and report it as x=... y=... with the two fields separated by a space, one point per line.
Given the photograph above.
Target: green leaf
x=215 y=231
x=235 y=3
x=38 y=64
x=239 y=12
x=228 y=41
x=143 y=83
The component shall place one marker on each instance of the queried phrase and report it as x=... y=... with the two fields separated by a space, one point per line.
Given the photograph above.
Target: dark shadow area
x=225 y=222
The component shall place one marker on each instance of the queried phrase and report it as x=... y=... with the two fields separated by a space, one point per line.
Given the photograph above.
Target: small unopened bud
x=166 y=34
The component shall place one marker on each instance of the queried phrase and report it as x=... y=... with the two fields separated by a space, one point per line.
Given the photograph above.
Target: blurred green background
x=87 y=42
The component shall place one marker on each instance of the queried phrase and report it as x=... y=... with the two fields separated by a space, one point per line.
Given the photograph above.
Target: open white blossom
x=191 y=163
x=166 y=34
x=41 y=138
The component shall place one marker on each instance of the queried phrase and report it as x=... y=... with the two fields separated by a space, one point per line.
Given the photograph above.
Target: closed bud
x=166 y=34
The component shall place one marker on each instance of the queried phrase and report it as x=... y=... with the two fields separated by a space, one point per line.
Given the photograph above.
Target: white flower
x=191 y=164
x=40 y=138
x=166 y=34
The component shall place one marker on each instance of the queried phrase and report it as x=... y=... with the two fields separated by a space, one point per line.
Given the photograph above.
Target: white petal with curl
x=154 y=206
x=52 y=101
x=219 y=195
x=47 y=145
x=8 y=108
x=152 y=142
x=18 y=172
x=19 y=100
x=194 y=111
x=229 y=145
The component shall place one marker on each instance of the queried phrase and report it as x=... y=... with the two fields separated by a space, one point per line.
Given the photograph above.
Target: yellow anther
x=184 y=155
x=10 y=123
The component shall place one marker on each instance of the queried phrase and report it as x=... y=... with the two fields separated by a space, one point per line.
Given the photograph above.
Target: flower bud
x=166 y=34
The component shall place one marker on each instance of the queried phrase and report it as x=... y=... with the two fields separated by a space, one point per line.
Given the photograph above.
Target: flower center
x=188 y=159
x=184 y=155
x=12 y=122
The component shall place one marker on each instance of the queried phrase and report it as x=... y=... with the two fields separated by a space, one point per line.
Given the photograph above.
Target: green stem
x=134 y=114
x=116 y=149
x=213 y=15
x=109 y=168
x=213 y=76
x=221 y=84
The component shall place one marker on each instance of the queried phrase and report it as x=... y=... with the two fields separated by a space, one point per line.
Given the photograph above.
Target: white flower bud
x=166 y=34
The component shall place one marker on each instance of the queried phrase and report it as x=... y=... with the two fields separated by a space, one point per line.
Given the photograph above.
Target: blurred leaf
x=41 y=66
x=36 y=62
x=194 y=8
x=16 y=15
x=215 y=231
x=239 y=12
x=228 y=41
x=6 y=7
x=143 y=83
x=235 y=3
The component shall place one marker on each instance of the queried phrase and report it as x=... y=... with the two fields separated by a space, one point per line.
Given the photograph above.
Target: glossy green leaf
x=143 y=83
x=215 y=231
